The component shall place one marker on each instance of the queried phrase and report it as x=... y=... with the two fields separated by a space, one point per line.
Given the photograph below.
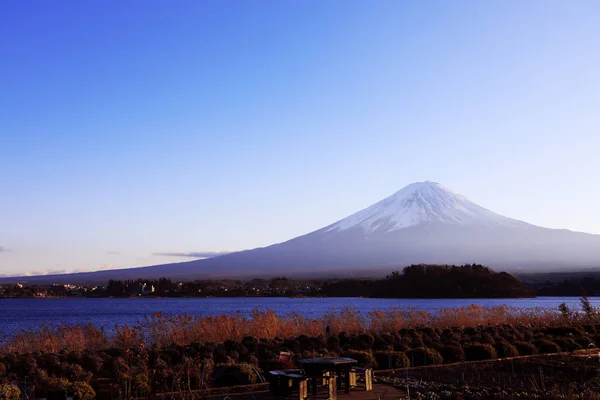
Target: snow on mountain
x=419 y=203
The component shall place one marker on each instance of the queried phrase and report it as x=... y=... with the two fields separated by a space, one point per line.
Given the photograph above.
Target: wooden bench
x=367 y=372
x=327 y=379
x=283 y=383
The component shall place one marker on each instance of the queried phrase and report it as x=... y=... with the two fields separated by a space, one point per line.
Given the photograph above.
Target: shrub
x=563 y=330
x=591 y=329
x=233 y=375
x=92 y=363
x=479 y=352
x=292 y=344
x=584 y=341
x=487 y=338
x=83 y=391
x=381 y=345
x=432 y=342
x=365 y=339
x=10 y=392
x=526 y=348
x=250 y=342
x=452 y=353
x=391 y=359
x=402 y=345
x=505 y=349
x=386 y=337
x=364 y=358
x=344 y=338
x=333 y=343
x=546 y=346
x=567 y=344
x=424 y=356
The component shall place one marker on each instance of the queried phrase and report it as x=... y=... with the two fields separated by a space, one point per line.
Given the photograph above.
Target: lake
x=19 y=314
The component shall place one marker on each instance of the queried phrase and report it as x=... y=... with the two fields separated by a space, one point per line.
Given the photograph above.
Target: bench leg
x=303 y=389
x=333 y=388
x=369 y=379
x=325 y=379
x=347 y=381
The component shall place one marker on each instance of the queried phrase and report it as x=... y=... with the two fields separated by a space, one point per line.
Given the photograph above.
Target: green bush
x=391 y=359
x=567 y=344
x=10 y=392
x=333 y=343
x=505 y=349
x=584 y=341
x=424 y=356
x=526 y=348
x=401 y=345
x=365 y=339
x=562 y=331
x=546 y=346
x=452 y=353
x=479 y=352
x=233 y=375
x=250 y=342
x=82 y=391
x=365 y=358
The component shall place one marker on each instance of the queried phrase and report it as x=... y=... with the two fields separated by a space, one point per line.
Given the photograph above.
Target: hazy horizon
x=138 y=135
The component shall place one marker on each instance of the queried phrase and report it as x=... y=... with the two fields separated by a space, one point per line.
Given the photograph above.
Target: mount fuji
x=424 y=222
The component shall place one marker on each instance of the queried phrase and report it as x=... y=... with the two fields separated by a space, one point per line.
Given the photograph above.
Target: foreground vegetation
x=186 y=353
x=549 y=377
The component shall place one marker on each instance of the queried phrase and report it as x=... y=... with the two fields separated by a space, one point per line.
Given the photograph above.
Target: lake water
x=25 y=314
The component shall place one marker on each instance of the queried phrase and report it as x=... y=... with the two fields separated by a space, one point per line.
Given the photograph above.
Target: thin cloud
x=113 y=252
x=3 y=249
x=51 y=271
x=105 y=267
x=61 y=271
x=197 y=254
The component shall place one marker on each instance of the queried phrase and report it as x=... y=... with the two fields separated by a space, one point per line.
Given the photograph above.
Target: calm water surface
x=24 y=314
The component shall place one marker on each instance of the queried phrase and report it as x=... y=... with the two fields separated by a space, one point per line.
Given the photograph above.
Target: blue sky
x=134 y=128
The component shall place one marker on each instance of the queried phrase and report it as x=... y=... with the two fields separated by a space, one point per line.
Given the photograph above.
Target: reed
x=163 y=330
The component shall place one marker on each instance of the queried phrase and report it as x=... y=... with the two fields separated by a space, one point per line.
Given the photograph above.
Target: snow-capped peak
x=418 y=203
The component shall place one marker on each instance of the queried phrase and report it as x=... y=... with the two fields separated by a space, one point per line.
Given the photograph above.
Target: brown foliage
x=164 y=330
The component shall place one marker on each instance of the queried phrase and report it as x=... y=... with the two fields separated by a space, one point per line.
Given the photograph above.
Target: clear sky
x=134 y=128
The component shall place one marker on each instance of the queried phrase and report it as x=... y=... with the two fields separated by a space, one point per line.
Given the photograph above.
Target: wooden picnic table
x=316 y=367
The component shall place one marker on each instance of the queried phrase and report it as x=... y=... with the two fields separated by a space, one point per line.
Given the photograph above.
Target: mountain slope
x=422 y=223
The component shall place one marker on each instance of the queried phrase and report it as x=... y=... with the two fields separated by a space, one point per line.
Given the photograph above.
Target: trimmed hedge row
x=140 y=371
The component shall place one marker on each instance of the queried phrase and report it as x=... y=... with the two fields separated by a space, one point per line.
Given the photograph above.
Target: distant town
x=167 y=288
x=417 y=283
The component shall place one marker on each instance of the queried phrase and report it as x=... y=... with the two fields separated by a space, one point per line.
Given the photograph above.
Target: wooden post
x=369 y=379
x=325 y=380
x=347 y=379
x=353 y=378
x=333 y=388
x=303 y=388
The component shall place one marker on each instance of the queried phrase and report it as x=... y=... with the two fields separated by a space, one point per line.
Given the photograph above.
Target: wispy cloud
x=194 y=254
x=104 y=267
x=3 y=249
x=46 y=272
x=60 y=271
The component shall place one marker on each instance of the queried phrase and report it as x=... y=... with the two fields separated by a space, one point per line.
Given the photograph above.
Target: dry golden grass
x=184 y=329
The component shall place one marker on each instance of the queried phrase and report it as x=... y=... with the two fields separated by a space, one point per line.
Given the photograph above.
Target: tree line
x=434 y=281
